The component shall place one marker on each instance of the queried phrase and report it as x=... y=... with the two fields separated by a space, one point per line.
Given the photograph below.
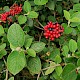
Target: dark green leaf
x=34 y=65
x=69 y=72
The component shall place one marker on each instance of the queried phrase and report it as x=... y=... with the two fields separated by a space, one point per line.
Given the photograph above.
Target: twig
x=40 y=36
x=51 y=67
x=6 y=69
x=39 y=23
x=38 y=75
x=6 y=74
x=38 y=27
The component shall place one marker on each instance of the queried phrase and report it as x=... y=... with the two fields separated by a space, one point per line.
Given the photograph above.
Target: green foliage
x=16 y=35
x=34 y=65
x=69 y=72
x=72 y=45
x=24 y=50
x=16 y=62
x=40 y=2
x=31 y=52
x=22 y=19
x=38 y=46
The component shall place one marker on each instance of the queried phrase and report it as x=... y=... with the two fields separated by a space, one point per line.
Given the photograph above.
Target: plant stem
x=6 y=69
x=6 y=74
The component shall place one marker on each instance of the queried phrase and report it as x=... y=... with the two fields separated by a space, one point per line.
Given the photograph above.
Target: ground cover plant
x=39 y=40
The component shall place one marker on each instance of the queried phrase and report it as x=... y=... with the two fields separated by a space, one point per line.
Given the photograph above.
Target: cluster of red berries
x=14 y=9
x=53 y=31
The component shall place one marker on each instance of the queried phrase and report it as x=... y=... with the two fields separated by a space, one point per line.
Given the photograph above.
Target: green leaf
x=2 y=53
x=66 y=15
x=38 y=46
x=31 y=52
x=11 y=78
x=34 y=65
x=1 y=30
x=27 y=6
x=50 y=70
x=30 y=22
x=16 y=35
x=75 y=19
x=69 y=72
x=58 y=59
x=32 y=14
x=72 y=45
x=40 y=2
x=54 y=53
x=65 y=50
x=22 y=19
x=16 y=62
x=28 y=42
x=2 y=46
x=78 y=62
x=51 y=5
x=67 y=30
x=75 y=1
x=76 y=7
x=58 y=70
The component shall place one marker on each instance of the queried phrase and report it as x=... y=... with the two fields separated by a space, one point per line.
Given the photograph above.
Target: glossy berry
x=14 y=9
x=53 y=31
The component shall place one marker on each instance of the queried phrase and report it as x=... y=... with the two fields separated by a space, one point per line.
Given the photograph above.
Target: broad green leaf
x=1 y=30
x=67 y=30
x=59 y=8
x=65 y=50
x=2 y=53
x=16 y=62
x=2 y=46
x=75 y=19
x=34 y=65
x=58 y=70
x=11 y=78
x=31 y=52
x=40 y=2
x=69 y=72
x=78 y=62
x=76 y=7
x=32 y=14
x=72 y=45
x=38 y=46
x=27 y=6
x=51 y=5
x=50 y=70
x=16 y=35
x=22 y=19
x=58 y=59
x=66 y=15
x=28 y=42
